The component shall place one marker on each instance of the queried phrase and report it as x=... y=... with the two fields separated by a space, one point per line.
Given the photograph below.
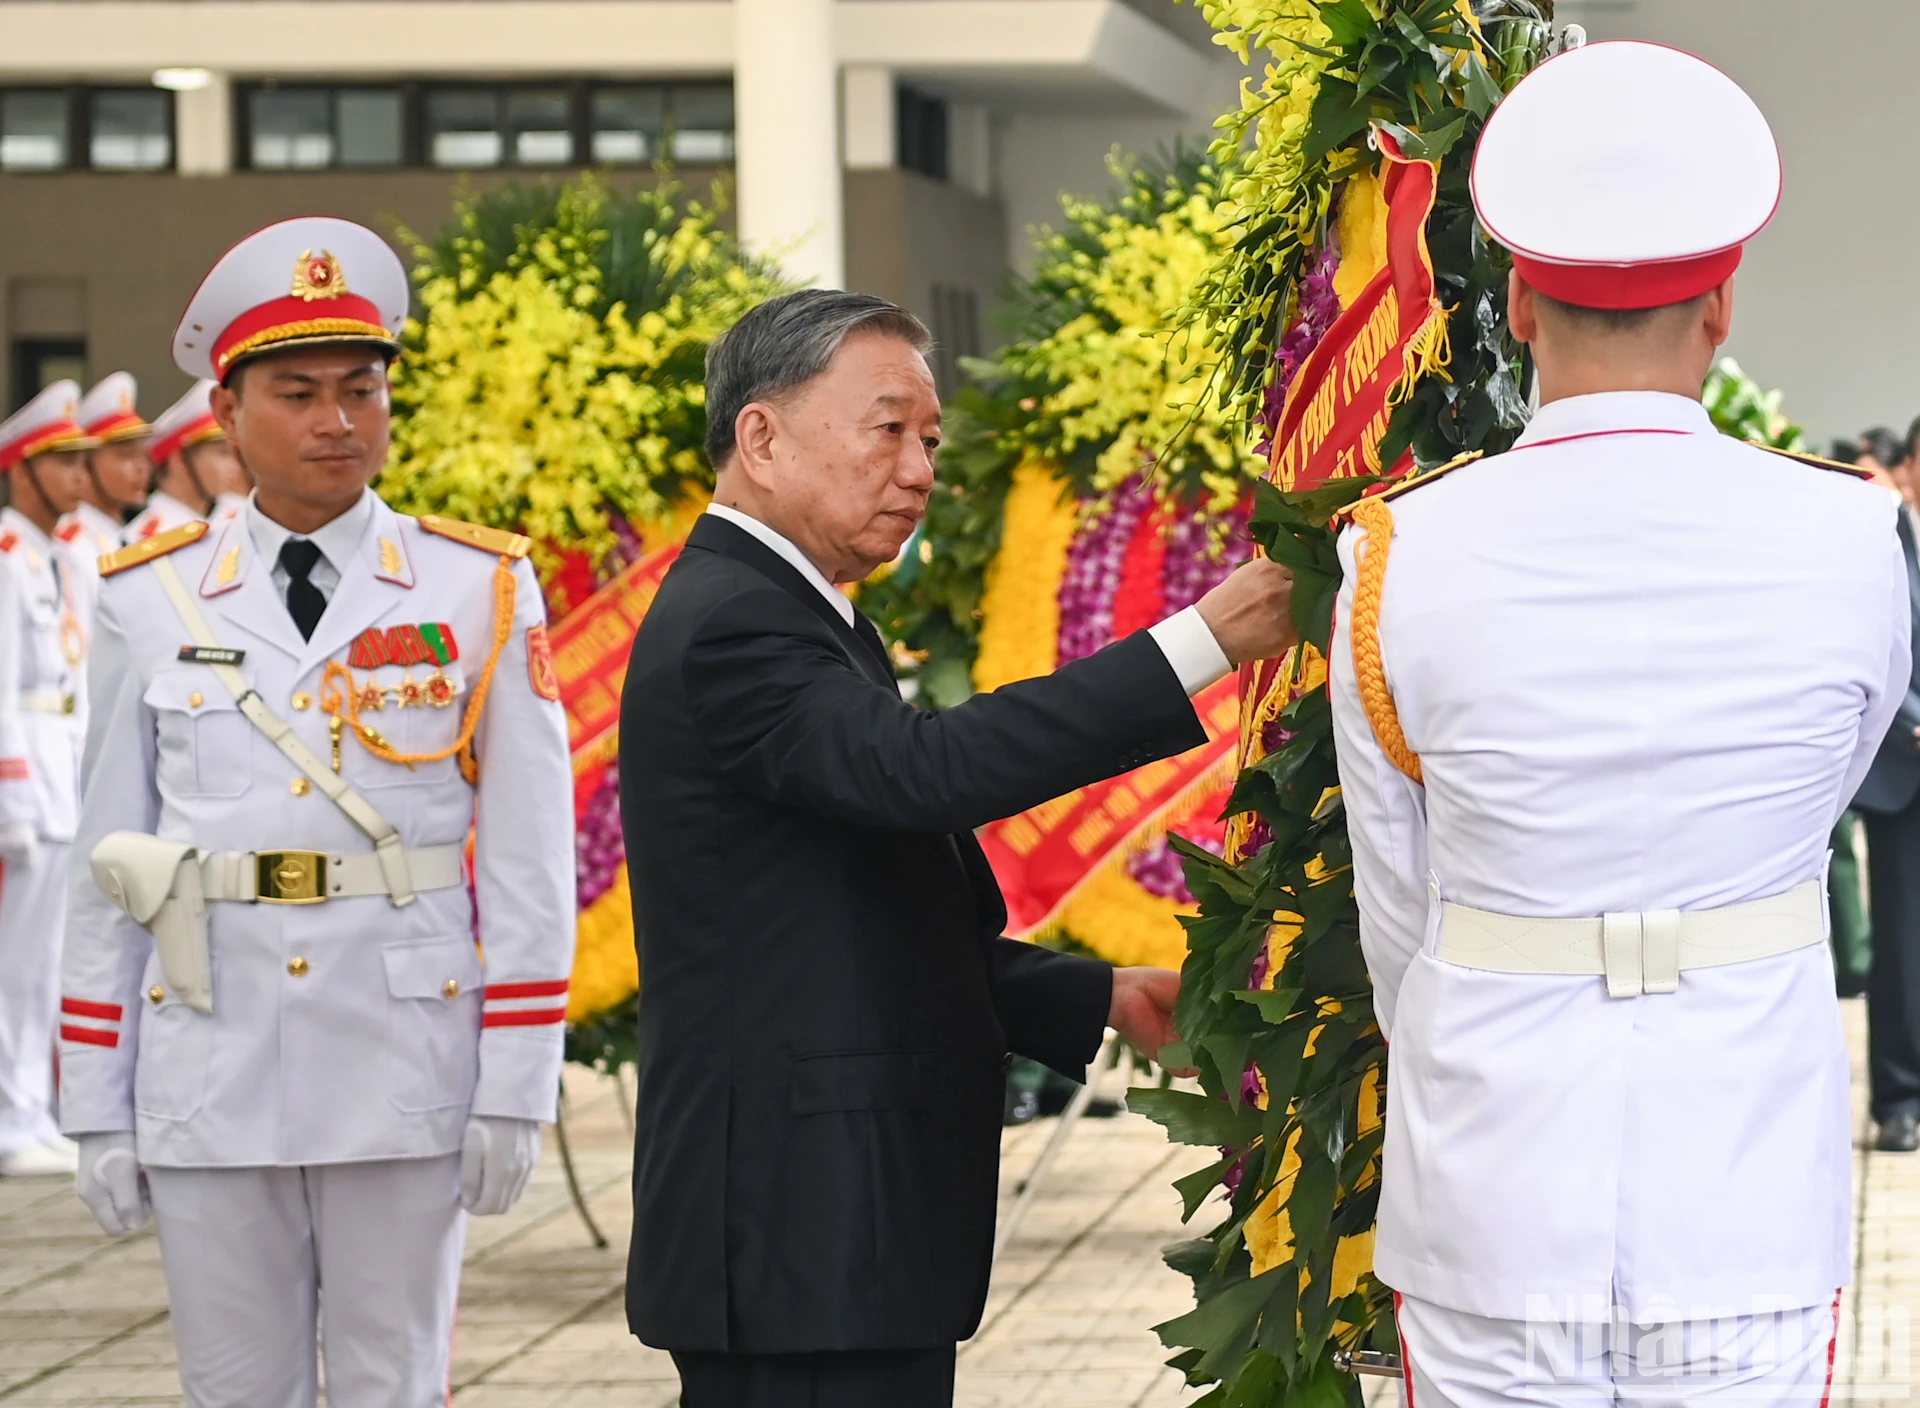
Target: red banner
x=1042 y=856
x=1395 y=331
x=590 y=649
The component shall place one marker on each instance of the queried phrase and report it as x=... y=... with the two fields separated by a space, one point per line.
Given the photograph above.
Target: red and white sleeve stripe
x=537 y=1004
x=90 y=1023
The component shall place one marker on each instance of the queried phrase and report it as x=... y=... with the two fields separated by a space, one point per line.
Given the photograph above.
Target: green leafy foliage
x=1740 y=408
x=1309 y=1041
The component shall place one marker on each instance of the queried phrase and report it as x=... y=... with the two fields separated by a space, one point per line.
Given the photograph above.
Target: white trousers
x=33 y=912
x=258 y=1259
x=1455 y=1360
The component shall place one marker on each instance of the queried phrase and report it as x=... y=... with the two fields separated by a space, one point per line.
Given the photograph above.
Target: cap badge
x=318 y=276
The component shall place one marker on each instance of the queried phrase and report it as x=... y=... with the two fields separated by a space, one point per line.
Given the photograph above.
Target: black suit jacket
x=1894 y=779
x=826 y=1002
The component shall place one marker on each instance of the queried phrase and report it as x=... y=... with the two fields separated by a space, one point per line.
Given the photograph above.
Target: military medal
x=439 y=690
x=409 y=692
x=371 y=698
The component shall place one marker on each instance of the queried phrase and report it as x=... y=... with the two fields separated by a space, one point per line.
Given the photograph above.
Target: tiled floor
x=83 y=1318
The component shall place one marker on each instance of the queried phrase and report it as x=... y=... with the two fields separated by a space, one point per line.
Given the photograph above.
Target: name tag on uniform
x=211 y=655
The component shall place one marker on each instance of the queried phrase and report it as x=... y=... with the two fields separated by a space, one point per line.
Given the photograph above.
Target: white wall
x=1829 y=295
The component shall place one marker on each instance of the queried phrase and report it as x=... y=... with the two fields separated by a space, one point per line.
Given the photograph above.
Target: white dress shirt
x=337 y=541
x=1183 y=637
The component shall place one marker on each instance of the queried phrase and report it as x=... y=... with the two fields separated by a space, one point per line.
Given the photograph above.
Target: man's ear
x=1717 y=313
x=754 y=431
x=224 y=402
x=1523 y=312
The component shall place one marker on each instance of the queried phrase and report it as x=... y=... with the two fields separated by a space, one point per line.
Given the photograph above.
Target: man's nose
x=334 y=420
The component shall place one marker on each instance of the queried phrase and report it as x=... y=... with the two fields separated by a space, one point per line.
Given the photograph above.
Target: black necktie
x=305 y=602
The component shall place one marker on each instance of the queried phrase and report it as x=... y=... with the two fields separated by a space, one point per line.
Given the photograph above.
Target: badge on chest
x=429 y=643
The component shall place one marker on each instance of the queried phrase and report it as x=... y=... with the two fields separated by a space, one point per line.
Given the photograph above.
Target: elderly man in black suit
x=828 y=1007
x=1889 y=803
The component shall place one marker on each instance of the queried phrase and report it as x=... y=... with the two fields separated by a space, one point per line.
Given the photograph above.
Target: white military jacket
x=43 y=643
x=1644 y=667
x=348 y=1029
x=162 y=513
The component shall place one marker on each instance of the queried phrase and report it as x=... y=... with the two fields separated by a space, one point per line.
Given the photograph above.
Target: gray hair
x=785 y=343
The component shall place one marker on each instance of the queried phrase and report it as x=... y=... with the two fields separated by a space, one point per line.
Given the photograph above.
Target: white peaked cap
x=300 y=283
x=188 y=421
x=1626 y=175
x=107 y=411
x=49 y=422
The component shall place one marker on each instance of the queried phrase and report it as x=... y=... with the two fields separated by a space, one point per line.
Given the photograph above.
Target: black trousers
x=862 y=1378
x=1893 y=982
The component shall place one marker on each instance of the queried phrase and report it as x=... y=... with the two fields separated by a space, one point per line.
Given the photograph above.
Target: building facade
x=902 y=147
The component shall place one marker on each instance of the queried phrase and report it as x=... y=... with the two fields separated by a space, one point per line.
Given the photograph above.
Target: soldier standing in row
x=119 y=473
x=42 y=650
x=196 y=470
x=1596 y=718
x=306 y=1073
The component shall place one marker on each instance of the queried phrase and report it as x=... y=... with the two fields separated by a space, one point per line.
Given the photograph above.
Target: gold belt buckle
x=67 y=703
x=291 y=877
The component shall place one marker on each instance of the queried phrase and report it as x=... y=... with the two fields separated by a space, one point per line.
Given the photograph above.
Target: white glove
x=496 y=1161
x=110 y=1183
x=18 y=843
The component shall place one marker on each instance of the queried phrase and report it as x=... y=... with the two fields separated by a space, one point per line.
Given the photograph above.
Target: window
x=540 y=125
x=368 y=125
x=290 y=130
x=703 y=125
x=39 y=362
x=34 y=133
x=463 y=127
x=307 y=129
x=956 y=334
x=629 y=125
x=923 y=133
x=130 y=129
x=482 y=126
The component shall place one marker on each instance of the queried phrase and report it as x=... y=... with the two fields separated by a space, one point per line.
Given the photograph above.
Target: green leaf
x=1191 y=1118
x=1348 y=21
x=1223 y=1326
x=1275 y=1004
x=1195 y=1188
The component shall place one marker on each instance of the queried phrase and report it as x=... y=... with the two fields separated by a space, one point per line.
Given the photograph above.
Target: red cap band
x=195 y=431
x=121 y=425
x=1628 y=286
x=293 y=319
x=61 y=434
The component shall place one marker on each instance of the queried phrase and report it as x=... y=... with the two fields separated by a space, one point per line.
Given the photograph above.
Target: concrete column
x=787 y=136
x=869 y=119
x=203 y=128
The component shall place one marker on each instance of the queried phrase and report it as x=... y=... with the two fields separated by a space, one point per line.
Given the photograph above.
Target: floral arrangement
x=1091 y=487
x=553 y=381
x=1275 y=1004
x=553 y=384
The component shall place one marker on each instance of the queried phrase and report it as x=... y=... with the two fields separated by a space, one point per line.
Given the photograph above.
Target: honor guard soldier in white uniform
x=119 y=473
x=278 y=1027
x=42 y=649
x=194 y=467
x=1596 y=717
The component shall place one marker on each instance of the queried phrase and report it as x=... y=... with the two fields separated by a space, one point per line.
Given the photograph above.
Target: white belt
x=46 y=701
x=1637 y=953
x=312 y=877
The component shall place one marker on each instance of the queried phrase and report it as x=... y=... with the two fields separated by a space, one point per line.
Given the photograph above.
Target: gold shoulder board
x=474 y=535
x=1851 y=470
x=159 y=545
x=1413 y=481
